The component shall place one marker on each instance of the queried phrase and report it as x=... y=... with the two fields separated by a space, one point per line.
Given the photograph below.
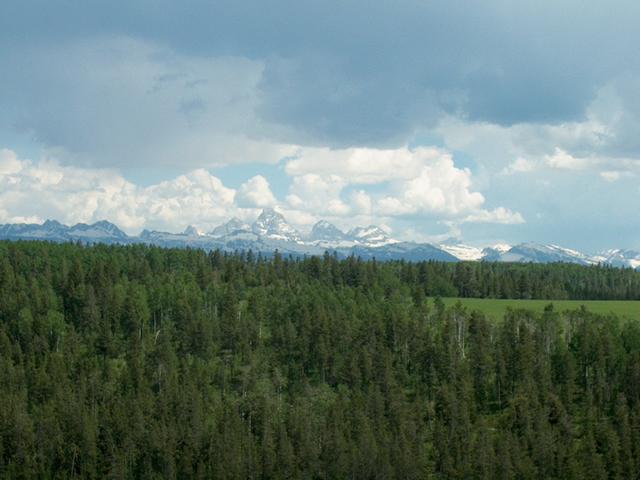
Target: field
x=495 y=308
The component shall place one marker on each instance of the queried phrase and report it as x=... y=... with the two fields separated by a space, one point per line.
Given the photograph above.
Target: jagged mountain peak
x=619 y=257
x=542 y=253
x=228 y=228
x=50 y=224
x=372 y=235
x=501 y=247
x=192 y=231
x=271 y=230
x=100 y=229
x=324 y=224
x=326 y=231
x=270 y=214
x=272 y=224
x=460 y=250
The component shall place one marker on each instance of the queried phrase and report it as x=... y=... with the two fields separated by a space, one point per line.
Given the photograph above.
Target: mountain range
x=271 y=232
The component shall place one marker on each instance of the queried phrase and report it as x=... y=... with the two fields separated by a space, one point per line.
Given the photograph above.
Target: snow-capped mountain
x=233 y=226
x=540 y=253
x=271 y=224
x=192 y=231
x=324 y=231
x=462 y=251
x=326 y=234
x=493 y=253
x=49 y=230
x=102 y=231
x=370 y=236
x=271 y=232
x=413 y=252
x=619 y=258
x=501 y=247
x=52 y=230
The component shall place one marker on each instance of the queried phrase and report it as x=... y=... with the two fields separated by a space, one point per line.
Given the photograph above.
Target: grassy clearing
x=496 y=308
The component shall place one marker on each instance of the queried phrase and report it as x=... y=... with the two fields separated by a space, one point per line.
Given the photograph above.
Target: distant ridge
x=271 y=231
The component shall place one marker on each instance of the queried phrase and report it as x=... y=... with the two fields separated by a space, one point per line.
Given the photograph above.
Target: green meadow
x=495 y=308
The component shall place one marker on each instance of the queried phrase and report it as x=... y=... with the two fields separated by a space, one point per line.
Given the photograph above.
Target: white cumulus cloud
x=256 y=192
x=519 y=165
x=431 y=186
x=439 y=188
x=408 y=182
x=33 y=191
x=498 y=215
x=360 y=165
x=563 y=160
x=318 y=194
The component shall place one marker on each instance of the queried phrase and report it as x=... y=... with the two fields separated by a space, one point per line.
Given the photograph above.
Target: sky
x=487 y=122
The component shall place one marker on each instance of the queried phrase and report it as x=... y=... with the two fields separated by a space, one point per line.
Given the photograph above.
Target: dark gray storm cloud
x=371 y=73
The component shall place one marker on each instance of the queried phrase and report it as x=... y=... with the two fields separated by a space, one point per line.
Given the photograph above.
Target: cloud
x=44 y=189
x=360 y=165
x=256 y=192
x=245 y=74
x=361 y=202
x=121 y=101
x=563 y=160
x=499 y=215
x=196 y=198
x=420 y=181
x=610 y=176
x=34 y=191
x=550 y=89
x=442 y=187
x=603 y=139
x=520 y=165
x=615 y=175
x=318 y=194
x=9 y=162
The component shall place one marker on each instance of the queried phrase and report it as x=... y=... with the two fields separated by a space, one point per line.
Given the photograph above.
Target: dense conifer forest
x=141 y=362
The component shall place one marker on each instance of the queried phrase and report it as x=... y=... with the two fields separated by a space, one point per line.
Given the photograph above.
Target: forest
x=143 y=362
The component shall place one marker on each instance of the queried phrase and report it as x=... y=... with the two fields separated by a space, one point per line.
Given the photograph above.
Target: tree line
x=142 y=362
